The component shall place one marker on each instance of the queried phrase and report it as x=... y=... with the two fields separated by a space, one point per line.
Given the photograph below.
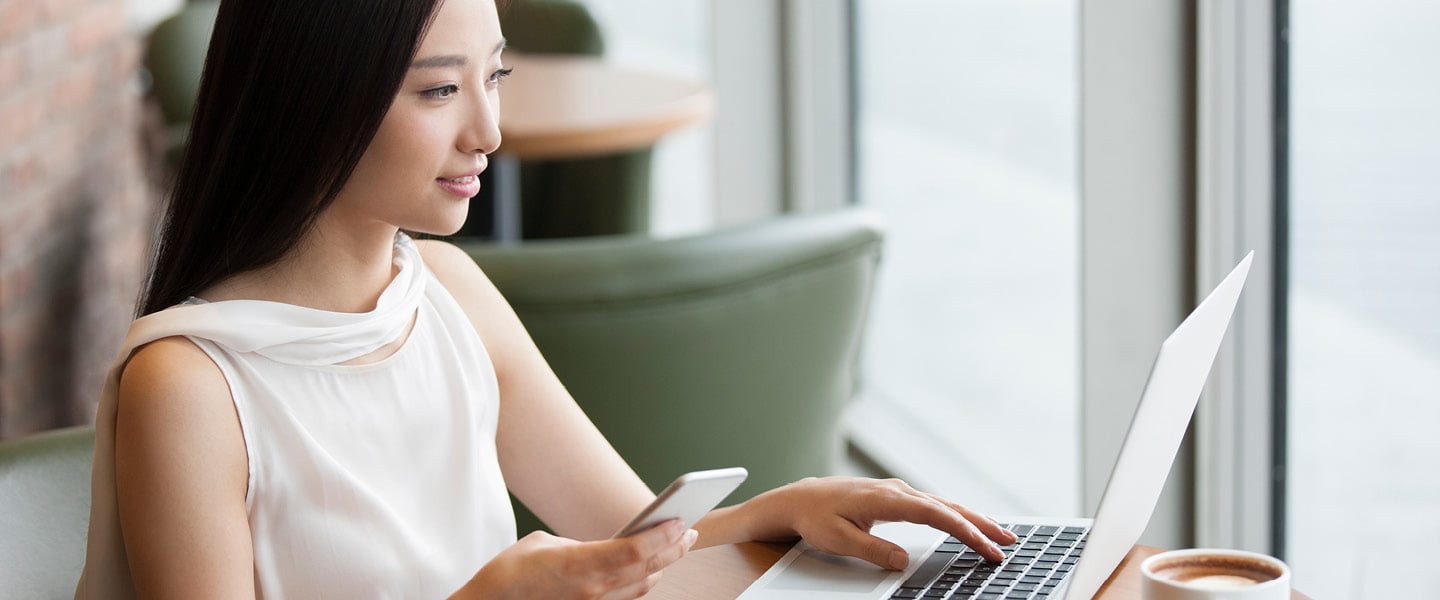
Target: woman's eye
x=498 y=76
x=444 y=91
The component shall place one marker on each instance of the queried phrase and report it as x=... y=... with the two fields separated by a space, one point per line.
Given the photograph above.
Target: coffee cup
x=1213 y=574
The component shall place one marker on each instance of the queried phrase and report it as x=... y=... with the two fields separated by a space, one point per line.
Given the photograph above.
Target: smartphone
x=688 y=498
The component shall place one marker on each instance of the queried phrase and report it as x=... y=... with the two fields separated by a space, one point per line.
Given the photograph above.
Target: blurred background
x=981 y=131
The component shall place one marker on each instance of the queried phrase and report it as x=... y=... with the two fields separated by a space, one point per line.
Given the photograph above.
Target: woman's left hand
x=835 y=515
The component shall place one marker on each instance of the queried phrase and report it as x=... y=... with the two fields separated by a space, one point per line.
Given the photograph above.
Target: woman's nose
x=482 y=132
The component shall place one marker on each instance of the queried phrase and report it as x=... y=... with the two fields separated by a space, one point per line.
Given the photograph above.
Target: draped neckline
x=307 y=336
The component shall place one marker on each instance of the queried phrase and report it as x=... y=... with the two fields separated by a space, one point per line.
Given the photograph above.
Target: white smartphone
x=688 y=498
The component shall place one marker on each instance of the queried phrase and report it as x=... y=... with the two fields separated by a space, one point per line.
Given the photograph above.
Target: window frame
x=1240 y=473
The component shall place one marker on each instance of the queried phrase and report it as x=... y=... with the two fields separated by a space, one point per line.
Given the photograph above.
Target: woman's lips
x=464 y=187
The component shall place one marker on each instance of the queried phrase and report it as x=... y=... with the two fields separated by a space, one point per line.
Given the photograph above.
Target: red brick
x=60 y=11
x=22 y=174
x=101 y=25
x=62 y=157
x=20 y=117
x=24 y=330
x=13 y=68
x=75 y=91
x=17 y=17
x=45 y=51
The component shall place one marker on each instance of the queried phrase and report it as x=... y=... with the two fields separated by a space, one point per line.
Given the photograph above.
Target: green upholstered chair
x=175 y=57
x=44 y=512
x=732 y=348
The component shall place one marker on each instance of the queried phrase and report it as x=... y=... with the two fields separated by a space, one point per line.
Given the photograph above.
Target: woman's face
x=421 y=168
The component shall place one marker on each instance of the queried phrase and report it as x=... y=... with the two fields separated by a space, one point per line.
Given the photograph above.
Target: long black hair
x=291 y=95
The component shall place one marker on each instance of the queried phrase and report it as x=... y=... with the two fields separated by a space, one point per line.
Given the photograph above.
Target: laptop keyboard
x=1034 y=565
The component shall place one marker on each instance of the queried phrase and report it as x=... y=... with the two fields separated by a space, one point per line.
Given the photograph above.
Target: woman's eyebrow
x=449 y=60
x=443 y=60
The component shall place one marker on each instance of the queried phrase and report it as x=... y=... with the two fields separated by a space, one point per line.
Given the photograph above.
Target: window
x=966 y=136
x=1364 y=329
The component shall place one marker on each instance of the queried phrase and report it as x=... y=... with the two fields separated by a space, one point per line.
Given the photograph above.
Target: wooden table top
x=576 y=106
x=723 y=572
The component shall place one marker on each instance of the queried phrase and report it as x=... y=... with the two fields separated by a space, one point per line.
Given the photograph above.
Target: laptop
x=1055 y=557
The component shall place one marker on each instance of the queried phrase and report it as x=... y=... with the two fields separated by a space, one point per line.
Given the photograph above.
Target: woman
x=313 y=405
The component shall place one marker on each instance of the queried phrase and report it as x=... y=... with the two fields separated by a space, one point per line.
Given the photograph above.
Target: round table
x=576 y=106
x=570 y=107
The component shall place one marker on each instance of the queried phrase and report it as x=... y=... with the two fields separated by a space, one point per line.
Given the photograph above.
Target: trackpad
x=816 y=570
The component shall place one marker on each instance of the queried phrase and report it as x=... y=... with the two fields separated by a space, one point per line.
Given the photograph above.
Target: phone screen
x=688 y=498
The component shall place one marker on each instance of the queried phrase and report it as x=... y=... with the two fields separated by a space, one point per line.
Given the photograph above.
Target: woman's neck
x=336 y=267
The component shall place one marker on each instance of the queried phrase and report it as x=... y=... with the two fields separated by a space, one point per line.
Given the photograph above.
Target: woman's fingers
x=972 y=528
x=981 y=521
x=847 y=539
x=916 y=507
x=634 y=590
x=631 y=560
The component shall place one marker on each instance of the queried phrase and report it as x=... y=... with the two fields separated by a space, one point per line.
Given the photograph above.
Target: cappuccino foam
x=1222 y=582
x=1217 y=571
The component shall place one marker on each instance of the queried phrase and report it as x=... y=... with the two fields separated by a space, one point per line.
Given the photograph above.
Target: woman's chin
x=445 y=226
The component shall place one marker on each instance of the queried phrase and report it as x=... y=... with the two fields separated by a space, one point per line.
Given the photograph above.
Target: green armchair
x=44 y=512
x=732 y=348
x=174 y=58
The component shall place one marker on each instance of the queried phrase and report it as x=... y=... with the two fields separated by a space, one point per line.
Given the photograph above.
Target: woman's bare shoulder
x=460 y=275
x=172 y=365
x=448 y=261
x=483 y=304
x=172 y=392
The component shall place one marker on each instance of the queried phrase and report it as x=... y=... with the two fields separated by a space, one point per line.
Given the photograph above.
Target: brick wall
x=75 y=205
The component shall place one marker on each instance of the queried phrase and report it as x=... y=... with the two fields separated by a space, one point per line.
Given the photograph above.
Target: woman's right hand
x=541 y=565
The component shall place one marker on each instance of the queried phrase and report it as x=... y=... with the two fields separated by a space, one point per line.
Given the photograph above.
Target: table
x=567 y=107
x=723 y=572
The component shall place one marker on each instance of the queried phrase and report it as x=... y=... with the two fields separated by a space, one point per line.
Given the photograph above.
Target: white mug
x=1214 y=574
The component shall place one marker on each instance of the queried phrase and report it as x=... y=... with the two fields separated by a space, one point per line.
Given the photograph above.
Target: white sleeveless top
x=366 y=481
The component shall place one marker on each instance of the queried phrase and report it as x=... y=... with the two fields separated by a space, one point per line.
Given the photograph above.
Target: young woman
x=313 y=405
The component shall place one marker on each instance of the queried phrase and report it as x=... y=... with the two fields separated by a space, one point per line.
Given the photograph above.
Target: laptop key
x=952 y=547
x=929 y=570
x=907 y=593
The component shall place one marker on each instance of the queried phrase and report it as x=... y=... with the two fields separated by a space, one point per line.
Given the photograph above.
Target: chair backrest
x=733 y=348
x=44 y=512
x=551 y=27
x=175 y=57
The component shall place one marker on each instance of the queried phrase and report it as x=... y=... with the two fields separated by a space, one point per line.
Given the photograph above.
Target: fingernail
x=898 y=560
x=676 y=529
x=690 y=537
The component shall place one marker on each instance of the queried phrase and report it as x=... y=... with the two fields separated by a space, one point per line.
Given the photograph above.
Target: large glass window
x=966 y=140
x=1364 y=311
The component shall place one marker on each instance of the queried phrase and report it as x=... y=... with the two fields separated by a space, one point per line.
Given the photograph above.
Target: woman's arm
x=180 y=476
x=553 y=458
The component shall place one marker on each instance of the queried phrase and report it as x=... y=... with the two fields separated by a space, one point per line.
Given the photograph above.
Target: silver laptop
x=1055 y=558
